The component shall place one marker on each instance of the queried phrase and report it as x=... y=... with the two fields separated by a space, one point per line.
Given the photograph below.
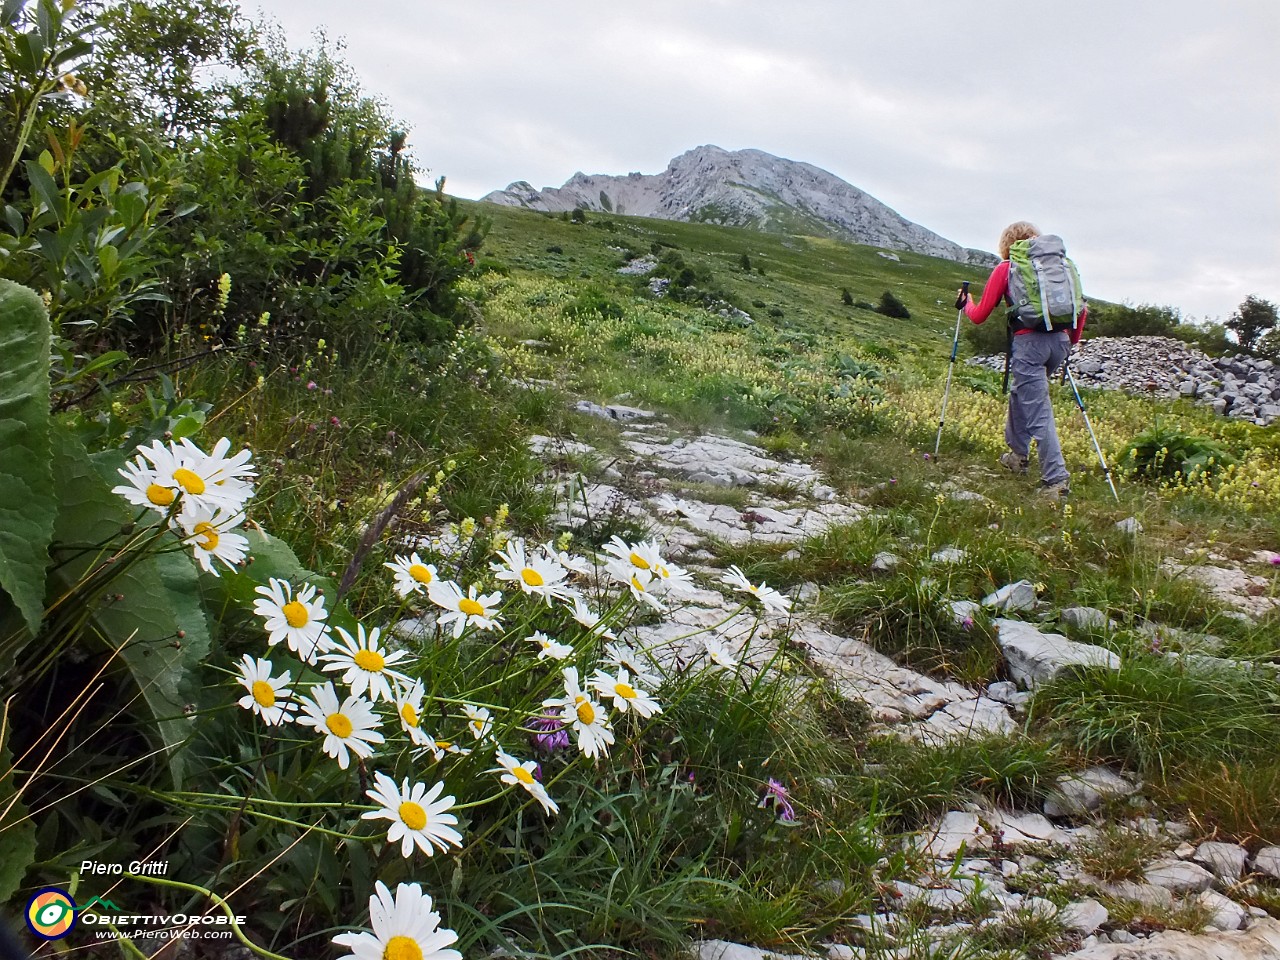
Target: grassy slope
x=1078 y=556
x=802 y=275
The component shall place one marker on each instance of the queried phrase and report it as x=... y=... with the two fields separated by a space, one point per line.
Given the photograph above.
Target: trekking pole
x=955 y=348
x=1008 y=354
x=1075 y=392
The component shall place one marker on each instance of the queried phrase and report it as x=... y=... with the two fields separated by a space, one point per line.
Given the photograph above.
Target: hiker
x=1036 y=350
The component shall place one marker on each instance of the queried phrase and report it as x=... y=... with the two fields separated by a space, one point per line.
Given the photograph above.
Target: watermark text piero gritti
x=141 y=868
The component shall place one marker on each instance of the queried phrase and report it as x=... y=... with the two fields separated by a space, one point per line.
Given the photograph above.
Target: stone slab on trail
x=1034 y=657
x=721 y=461
x=1260 y=942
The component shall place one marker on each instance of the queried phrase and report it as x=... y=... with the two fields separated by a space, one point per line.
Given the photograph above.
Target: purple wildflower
x=1274 y=560
x=775 y=796
x=552 y=735
x=967 y=623
x=311 y=385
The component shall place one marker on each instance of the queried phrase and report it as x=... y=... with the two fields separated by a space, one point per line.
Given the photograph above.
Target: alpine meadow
x=395 y=576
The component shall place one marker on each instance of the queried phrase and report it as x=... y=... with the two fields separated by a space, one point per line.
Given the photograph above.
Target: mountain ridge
x=744 y=188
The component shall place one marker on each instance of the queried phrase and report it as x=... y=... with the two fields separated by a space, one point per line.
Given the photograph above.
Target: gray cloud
x=1145 y=132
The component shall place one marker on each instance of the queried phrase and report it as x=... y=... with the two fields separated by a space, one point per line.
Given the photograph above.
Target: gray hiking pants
x=1033 y=359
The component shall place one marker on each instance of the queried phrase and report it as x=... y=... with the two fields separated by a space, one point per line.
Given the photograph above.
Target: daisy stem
x=194 y=805
x=226 y=908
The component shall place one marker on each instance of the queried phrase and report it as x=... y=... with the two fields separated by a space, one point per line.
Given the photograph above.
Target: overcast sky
x=1147 y=133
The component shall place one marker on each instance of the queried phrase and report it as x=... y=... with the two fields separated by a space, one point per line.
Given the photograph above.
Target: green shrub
x=1127 y=320
x=1161 y=453
x=891 y=306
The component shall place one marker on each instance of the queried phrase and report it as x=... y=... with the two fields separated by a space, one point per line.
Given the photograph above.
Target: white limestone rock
x=1012 y=597
x=1226 y=860
x=1034 y=657
x=1179 y=876
x=1080 y=793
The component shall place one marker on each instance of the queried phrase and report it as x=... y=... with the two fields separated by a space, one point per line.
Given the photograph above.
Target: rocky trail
x=978 y=865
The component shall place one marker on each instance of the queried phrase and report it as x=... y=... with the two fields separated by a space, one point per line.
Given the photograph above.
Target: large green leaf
x=27 y=499
x=17 y=835
x=150 y=602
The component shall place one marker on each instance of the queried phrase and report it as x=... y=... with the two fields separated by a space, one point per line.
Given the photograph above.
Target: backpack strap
x=1073 y=278
x=1044 y=301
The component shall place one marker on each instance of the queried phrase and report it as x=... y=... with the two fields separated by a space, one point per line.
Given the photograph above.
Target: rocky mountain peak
x=744 y=188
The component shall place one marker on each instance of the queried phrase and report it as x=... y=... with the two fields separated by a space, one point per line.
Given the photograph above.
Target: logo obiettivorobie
x=51 y=913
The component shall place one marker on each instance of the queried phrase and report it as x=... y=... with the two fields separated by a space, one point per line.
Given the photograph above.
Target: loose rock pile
x=1241 y=387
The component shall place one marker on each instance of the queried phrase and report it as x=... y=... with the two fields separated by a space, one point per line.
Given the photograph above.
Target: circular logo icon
x=51 y=913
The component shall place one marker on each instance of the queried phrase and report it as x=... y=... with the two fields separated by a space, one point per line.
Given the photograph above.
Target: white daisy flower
x=534 y=574
x=587 y=718
x=418 y=817
x=570 y=561
x=625 y=696
x=411 y=574
x=144 y=488
x=589 y=618
x=297 y=618
x=234 y=475
x=639 y=556
x=642 y=583
x=442 y=748
x=676 y=579
x=621 y=655
x=409 y=710
x=269 y=697
x=211 y=536
x=719 y=654
x=479 y=721
x=201 y=480
x=463 y=611
x=515 y=773
x=405 y=928
x=348 y=727
x=365 y=661
x=550 y=648
x=771 y=599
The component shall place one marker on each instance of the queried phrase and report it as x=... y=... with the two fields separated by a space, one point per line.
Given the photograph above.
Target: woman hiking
x=1037 y=349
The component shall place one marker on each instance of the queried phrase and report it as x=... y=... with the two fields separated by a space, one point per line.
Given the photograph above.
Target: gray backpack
x=1044 y=286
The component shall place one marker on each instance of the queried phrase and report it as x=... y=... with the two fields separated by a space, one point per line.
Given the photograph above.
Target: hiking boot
x=1055 y=492
x=1012 y=462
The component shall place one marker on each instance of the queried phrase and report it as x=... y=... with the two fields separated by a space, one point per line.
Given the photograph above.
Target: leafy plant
x=1164 y=452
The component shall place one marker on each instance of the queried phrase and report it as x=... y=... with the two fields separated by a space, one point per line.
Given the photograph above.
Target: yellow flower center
x=264 y=693
x=160 y=496
x=409 y=715
x=470 y=607
x=586 y=712
x=339 y=725
x=444 y=744
x=625 y=690
x=189 y=480
x=532 y=577
x=420 y=573
x=414 y=817
x=523 y=775
x=207 y=535
x=295 y=614
x=639 y=561
x=635 y=582
x=370 y=660
x=402 y=948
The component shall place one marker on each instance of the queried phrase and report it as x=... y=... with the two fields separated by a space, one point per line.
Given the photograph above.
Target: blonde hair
x=1022 y=230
